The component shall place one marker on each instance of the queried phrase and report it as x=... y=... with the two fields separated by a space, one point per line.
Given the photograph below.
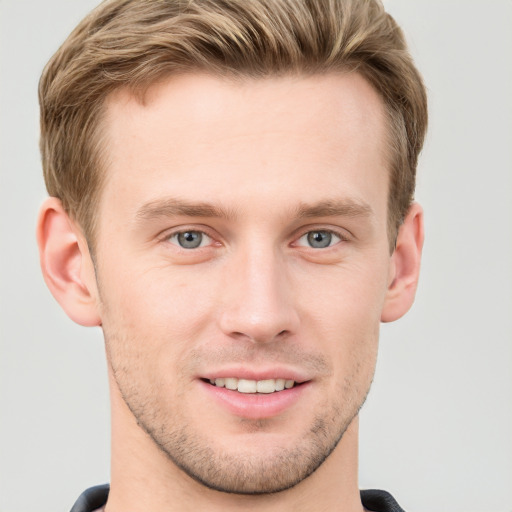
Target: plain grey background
x=437 y=428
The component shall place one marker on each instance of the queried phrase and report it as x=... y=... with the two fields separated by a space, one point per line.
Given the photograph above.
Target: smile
x=253 y=386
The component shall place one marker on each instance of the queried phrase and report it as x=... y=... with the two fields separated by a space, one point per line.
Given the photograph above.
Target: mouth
x=247 y=386
x=256 y=398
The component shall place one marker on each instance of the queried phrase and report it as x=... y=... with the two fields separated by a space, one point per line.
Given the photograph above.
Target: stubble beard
x=252 y=473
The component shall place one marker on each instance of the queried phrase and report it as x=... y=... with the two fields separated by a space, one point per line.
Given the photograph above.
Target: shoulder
x=372 y=499
x=92 y=499
x=379 y=501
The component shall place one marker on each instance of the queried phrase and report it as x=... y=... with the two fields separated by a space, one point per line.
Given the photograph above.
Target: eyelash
x=341 y=237
x=174 y=235
x=168 y=237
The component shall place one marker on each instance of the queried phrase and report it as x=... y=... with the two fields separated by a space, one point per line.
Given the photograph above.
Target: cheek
x=344 y=318
x=154 y=313
x=160 y=295
x=346 y=297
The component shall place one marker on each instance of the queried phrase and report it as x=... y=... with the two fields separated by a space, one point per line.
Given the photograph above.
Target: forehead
x=227 y=139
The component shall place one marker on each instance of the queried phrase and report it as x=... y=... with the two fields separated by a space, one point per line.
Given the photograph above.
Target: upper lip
x=256 y=374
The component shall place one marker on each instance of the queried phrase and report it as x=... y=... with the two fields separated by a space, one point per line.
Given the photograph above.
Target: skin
x=253 y=167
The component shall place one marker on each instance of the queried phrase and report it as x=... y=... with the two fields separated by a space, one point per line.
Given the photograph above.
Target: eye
x=190 y=239
x=319 y=239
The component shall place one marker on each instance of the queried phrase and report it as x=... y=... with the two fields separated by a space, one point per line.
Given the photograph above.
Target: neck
x=144 y=478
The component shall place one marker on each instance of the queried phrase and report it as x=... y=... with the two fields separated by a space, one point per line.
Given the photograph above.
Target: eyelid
x=166 y=235
x=204 y=242
x=340 y=233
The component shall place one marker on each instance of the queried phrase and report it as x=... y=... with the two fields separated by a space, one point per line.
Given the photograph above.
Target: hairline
x=140 y=93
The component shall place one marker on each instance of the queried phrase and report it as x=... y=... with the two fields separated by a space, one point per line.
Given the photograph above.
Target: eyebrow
x=173 y=207
x=335 y=208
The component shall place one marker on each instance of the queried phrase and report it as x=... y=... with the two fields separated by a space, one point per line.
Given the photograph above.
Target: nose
x=258 y=300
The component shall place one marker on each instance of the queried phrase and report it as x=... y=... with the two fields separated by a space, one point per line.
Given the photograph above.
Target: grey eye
x=319 y=239
x=190 y=239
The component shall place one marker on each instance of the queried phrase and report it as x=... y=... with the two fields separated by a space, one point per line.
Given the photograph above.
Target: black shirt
x=96 y=497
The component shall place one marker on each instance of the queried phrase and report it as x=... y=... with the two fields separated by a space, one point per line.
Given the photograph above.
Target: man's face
x=242 y=244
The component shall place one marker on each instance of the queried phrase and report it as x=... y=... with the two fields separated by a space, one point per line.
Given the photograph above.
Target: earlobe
x=405 y=266
x=66 y=264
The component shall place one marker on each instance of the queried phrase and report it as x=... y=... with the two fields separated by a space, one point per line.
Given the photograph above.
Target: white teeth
x=266 y=386
x=253 y=386
x=280 y=384
x=231 y=383
x=247 y=386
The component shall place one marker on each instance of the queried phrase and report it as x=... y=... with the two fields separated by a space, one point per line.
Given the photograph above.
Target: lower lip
x=256 y=405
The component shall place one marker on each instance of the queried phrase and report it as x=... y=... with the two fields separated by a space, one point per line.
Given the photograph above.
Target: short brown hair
x=134 y=43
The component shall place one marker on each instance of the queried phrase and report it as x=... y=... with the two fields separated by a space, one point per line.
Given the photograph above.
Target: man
x=231 y=200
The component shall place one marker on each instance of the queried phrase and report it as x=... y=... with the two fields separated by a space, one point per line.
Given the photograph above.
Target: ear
x=405 y=266
x=67 y=266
